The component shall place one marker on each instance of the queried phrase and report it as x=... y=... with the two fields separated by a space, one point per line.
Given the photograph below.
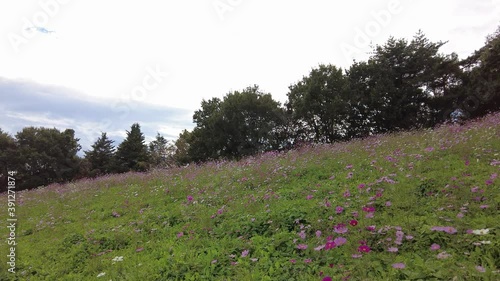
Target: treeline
x=404 y=85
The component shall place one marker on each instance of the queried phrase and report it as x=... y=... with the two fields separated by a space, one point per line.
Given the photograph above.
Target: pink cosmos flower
x=330 y=245
x=484 y=206
x=435 y=247
x=293 y=261
x=340 y=228
x=308 y=260
x=480 y=268
x=318 y=233
x=361 y=186
x=327 y=278
x=393 y=249
x=399 y=265
x=302 y=234
x=190 y=198
x=340 y=241
x=353 y=222
x=443 y=255
x=364 y=249
x=302 y=246
x=180 y=234
x=339 y=210
x=309 y=197
x=245 y=253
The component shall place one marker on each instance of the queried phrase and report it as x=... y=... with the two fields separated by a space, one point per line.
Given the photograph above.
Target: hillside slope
x=421 y=205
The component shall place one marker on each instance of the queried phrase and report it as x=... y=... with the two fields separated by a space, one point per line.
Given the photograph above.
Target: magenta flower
x=180 y=234
x=361 y=186
x=435 y=247
x=347 y=193
x=190 y=198
x=330 y=245
x=308 y=260
x=339 y=210
x=399 y=265
x=293 y=261
x=327 y=278
x=364 y=249
x=309 y=197
x=353 y=222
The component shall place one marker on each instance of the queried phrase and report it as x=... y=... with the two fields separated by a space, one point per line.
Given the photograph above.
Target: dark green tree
x=8 y=158
x=101 y=156
x=241 y=124
x=161 y=152
x=132 y=153
x=394 y=88
x=46 y=156
x=318 y=105
x=482 y=83
x=181 y=153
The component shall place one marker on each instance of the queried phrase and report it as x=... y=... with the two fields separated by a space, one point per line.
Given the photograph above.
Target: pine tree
x=101 y=156
x=132 y=153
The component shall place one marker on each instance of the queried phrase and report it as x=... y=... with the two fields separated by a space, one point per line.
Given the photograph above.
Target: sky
x=99 y=66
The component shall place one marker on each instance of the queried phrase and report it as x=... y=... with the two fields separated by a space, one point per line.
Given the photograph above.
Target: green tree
x=482 y=83
x=8 y=158
x=46 y=156
x=161 y=152
x=241 y=124
x=181 y=153
x=132 y=153
x=394 y=88
x=101 y=157
x=318 y=104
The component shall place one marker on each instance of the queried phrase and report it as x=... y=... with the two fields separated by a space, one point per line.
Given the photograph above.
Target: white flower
x=117 y=258
x=481 y=231
x=485 y=242
x=101 y=274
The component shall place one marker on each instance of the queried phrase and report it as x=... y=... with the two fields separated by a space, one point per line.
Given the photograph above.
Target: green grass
x=268 y=205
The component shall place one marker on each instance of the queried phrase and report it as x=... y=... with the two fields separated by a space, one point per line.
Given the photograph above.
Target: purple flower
x=190 y=198
x=340 y=228
x=339 y=241
x=480 y=268
x=447 y=229
x=245 y=253
x=318 y=233
x=302 y=234
x=435 y=247
x=392 y=249
x=302 y=246
x=339 y=210
x=399 y=265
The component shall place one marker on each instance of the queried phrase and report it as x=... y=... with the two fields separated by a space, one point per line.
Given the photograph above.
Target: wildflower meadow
x=419 y=205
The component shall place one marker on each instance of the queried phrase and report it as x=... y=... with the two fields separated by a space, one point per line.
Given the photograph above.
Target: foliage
x=45 y=156
x=419 y=205
x=239 y=125
x=132 y=153
x=161 y=152
x=101 y=157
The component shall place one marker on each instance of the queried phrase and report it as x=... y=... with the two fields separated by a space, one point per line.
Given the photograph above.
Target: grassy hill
x=421 y=205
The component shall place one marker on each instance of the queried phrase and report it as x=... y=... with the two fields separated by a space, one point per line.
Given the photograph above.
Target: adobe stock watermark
x=130 y=100
x=222 y=7
x=40 y=19
x=11 y=221
x=362 y=37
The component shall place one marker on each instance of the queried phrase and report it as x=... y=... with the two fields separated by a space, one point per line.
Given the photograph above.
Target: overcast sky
x=99 y=66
